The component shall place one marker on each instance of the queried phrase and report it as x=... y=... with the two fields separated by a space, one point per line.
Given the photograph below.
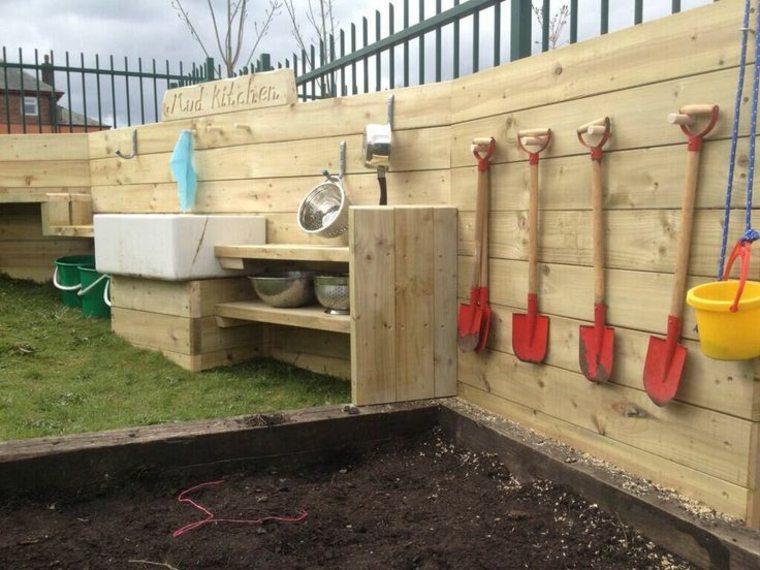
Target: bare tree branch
x=184 y=15
x=230 y=38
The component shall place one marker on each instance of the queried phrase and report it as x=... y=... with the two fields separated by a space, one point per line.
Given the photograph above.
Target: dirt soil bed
x=420 y=503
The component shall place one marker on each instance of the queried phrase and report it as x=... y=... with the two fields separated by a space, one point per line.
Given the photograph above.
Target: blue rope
x=753 y=129
x=734 y=139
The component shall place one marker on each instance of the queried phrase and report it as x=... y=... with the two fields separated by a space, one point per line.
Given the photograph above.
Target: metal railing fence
x=348 y=63
x=79 y=96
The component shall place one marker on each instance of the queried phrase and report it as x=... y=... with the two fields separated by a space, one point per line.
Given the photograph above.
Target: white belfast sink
x=173 y=247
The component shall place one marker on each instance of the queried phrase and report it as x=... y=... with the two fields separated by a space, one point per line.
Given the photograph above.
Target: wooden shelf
x=72 y=231
x=313 y=317
x=232 y=256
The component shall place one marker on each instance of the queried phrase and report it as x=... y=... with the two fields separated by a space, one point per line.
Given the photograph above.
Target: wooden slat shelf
x=313 y=317
x=286 y=252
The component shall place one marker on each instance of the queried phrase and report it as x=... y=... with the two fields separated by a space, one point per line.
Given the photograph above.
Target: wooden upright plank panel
x=445 y=303
x=415 y=303
x=687 y=44
x=753 y=502
x=374 y=327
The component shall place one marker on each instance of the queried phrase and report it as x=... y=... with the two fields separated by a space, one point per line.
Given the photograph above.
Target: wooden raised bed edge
x=707 y=543
x=85 y=463
x=82 y=464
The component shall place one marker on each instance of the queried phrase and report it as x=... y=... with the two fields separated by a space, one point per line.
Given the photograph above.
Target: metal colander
x=332 y=293
x=324 y=210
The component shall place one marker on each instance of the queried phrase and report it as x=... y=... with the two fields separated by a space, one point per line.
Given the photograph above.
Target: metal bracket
x=391 y=101
x=134 y=148
x=342 y=164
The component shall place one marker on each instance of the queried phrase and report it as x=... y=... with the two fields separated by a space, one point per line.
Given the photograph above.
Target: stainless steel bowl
x=284 y=289
x=332 y=293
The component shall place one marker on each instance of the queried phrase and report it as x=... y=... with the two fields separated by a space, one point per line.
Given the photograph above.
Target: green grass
x=61 y=373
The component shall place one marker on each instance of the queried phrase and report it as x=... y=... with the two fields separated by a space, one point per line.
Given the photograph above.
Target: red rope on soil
x=211 y=517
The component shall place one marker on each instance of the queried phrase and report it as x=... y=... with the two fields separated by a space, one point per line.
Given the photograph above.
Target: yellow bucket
x=722 y=334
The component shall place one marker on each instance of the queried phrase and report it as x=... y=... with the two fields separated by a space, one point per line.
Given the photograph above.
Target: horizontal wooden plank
x=422 y=149
x=42 y=147
x=724 y=386
x=151 y=295
x=636 y=300
x=634 y=125
x=687 y=44
x=313 y=317
x=36 y=274
x=416 y=107
x=319 y=363
x=284 y=251
x=10 y=195
x=704 y=440
x=254 y=90
x=208 y=360
x=72 y=231
x=45 y=173
x=271 y=195
x=634 y=239
x=207 y=293
x=39 y=253
x=647 y=178
x=178 y=298
x=153 y=330
x=723 y=496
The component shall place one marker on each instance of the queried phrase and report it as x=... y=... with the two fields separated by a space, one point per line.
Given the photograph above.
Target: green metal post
x=675 y=6
x=605 y=24
x=573 y=21
x=209 y=69
x=638 y=12
x=520 y=29
x=391 y=53
x=545 y=21
x=422 y=44
x=497 y=34
x=456 y=43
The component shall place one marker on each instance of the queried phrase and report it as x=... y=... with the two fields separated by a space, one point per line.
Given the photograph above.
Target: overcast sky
x=151 y=29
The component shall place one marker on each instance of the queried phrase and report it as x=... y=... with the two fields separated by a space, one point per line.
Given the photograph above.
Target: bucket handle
x=741 y=249
x=60 y=287
x=87 y=289
x=107 y=293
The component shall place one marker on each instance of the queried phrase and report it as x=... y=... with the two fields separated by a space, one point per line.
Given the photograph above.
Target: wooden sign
x=266 y=89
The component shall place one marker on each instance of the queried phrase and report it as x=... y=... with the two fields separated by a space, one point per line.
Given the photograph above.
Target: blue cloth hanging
x=183 y=169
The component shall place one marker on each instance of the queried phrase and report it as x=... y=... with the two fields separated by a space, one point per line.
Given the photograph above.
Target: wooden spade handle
x=597 y=230
x=483 y=187
x=480 y=221
x=533 y=231
x=684 y=235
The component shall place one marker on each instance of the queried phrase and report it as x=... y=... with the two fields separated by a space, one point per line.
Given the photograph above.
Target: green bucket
x=93 y=293
x=66 y=277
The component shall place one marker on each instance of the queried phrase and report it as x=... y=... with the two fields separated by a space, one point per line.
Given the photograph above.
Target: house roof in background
x=10 y=79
